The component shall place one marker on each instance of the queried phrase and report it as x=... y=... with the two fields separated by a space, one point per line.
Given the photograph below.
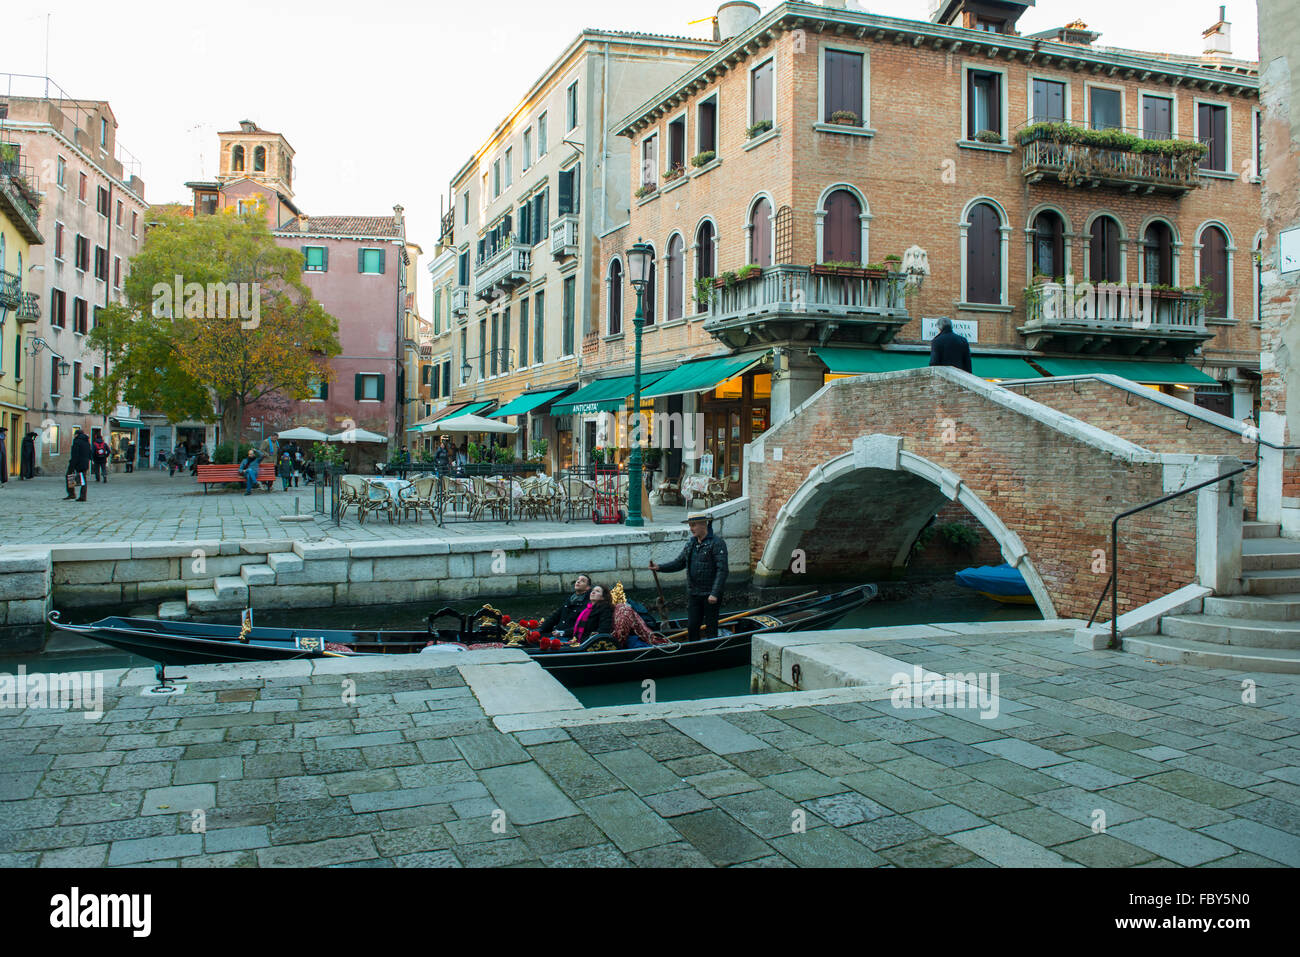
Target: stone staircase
x=1256 y=631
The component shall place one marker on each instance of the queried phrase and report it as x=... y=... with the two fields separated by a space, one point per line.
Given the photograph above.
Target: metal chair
x=352 y=491
x=378 y=498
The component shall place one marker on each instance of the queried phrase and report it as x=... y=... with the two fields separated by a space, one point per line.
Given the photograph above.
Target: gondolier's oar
x=752 y=611
x=663 y=605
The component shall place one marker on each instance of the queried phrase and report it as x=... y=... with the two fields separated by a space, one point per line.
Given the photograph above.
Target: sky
x=383 y=103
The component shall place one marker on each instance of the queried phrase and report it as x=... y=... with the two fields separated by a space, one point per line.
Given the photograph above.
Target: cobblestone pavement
x=149 y=506
x=414 y=774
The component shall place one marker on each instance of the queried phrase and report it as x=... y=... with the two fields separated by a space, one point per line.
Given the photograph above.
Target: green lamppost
x=638 y=270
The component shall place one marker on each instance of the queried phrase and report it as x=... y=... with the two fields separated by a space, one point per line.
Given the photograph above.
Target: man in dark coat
x=949 y=349
x=28 y=468
x=79 y=462
x=705 y=561
x=99 y=454
x=4 y=455
x=562 y=619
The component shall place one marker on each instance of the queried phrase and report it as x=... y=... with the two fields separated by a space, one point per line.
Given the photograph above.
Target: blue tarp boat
x=999 y=582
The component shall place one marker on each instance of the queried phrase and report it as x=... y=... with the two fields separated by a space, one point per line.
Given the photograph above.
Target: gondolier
x=705 y=561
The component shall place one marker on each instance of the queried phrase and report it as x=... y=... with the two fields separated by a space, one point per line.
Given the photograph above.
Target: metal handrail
x=1112 y=581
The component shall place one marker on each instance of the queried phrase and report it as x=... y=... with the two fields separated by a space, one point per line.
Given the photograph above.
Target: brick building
x=815 y=135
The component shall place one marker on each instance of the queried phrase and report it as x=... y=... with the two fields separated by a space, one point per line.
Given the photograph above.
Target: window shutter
x=566 y=193
x=380 y=394
x=359 y=387
x=324 y=390
x=361 y=261
x=325 y=259
x=382 y=255
x=577 y=179
x=481 y=244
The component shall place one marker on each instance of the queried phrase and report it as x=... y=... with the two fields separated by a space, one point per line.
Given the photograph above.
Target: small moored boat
x=999 y=582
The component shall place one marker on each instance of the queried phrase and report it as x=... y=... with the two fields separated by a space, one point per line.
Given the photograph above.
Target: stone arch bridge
x=852 y=476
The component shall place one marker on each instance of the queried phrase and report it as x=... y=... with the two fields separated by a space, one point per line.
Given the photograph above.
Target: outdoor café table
x=395 y=488
x=695 y=486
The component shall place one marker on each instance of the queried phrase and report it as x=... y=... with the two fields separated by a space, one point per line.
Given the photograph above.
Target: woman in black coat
x=27 y=468
x=598 y=617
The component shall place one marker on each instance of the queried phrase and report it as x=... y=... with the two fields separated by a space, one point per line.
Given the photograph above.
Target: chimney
x=397 y=219
x=1218 y=39
x=304 y=225
x=735 y=17
x=248 y=126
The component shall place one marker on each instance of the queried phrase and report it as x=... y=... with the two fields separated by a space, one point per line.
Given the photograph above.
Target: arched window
x=760 y=233
x=842 y=241
x=706 y=256
x=614 y=320
x=1214 y=271
x=1049 y=245
x=984 y=255
x=1103 y=255
x=237 y=159
x=676 y=278
x=259 y=159
x=651 y=291
x=1158 y=254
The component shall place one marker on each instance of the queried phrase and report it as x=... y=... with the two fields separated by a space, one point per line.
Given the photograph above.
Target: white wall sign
x=966 y=328
x=1288 y=249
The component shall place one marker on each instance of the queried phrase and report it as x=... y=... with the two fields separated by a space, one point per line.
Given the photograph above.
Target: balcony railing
x=446 y=235
x=11 y=290
x=30 y=308
x=1078 y=164
x=22 y=189
x=795 y=303
x=564 y=236
x=508 y=267
x=1125 y=318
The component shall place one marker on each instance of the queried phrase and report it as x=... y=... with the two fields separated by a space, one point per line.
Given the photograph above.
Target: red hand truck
x=606 y=510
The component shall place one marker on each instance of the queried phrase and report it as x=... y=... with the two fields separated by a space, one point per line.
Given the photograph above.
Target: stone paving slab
x=416 y=772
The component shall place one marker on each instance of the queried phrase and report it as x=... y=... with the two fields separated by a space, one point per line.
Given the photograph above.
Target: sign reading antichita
x=968 y=329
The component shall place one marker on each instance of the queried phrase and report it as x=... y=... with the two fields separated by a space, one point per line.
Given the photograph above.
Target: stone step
x=1261 y=554
x=1268 y=608
x=257 y=574
x=205 y=600
x=231 y=587
x=286 y=562
x=1261 y=530
x=1208 y=655
x=1273 y=582
x=174 y=610
x=1248 y=632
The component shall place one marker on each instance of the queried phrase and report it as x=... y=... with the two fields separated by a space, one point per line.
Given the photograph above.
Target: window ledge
x=1221 y=322
x=987 y=147
x=984 y=307
x=1218 y=174
x=711 y=164
x=648 y=198
x=679 y=181
x=672 y=323
x=864 y=131
x=613 y=337
x=762 y=138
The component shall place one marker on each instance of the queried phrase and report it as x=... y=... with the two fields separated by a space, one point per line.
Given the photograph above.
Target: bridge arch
x=879 y=463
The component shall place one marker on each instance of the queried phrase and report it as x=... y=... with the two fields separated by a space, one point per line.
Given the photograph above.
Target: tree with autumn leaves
x=178 y=356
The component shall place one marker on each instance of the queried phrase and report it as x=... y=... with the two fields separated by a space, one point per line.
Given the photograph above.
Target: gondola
x=178 y=643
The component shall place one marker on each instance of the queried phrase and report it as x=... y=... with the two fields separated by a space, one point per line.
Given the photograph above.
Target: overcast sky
x=383 y=102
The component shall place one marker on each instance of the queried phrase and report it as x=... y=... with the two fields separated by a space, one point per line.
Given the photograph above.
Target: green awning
x=1002 y=367
x=861 y=361
x=1152 y=373
x=127 y=423
x=604 y=395
x=704 y=374
x=520 y=405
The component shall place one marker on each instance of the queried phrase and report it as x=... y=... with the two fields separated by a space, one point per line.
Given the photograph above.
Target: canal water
x=726 y=682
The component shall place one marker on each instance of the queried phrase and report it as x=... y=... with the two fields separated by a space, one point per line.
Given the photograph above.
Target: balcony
x=30 y=308
x=460 y=301
x=1116 y=319
x=1058 y=153
x=11 y=290
x=446 y=235
x=564 y=236
x=21 y=193
x=509 y=266
x=798 y=304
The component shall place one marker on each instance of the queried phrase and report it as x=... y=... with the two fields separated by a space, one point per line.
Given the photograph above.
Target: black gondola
x=176 y=643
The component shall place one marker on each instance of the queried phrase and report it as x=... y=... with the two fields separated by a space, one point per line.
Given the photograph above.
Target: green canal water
x=725 y=682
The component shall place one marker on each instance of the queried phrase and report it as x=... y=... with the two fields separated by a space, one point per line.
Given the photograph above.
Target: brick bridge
x=853 y=475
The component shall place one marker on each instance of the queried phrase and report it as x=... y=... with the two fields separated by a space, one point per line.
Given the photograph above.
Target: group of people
x=449 y=455
x=590 y=609
x=291 y=466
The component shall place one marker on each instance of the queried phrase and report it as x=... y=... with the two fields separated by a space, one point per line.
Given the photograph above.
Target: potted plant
x=645 y=190
x=676 y=173
x=503 y=455
x=704 y=290
x=835 y=268
x=539 y=450
x=988 y=136
x=894 y=262
x=750 y=271
x=758 y=129
x=703 y=159
x=599 y=455
x=651 y=456
x=727 y=279
x=845 y=118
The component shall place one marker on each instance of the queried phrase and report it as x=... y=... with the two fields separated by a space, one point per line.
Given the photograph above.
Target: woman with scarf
x=597 y=618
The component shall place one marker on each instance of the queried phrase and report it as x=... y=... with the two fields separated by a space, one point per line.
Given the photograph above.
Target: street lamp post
x=638 y=261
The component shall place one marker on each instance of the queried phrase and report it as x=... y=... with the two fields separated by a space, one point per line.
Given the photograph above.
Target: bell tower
x=251 y=152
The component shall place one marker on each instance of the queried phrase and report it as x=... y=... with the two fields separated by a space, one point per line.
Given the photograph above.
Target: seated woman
x=630 y=629
x=598 y=617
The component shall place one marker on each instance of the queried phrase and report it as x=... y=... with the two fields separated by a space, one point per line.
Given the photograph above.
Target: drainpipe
x=108 y=285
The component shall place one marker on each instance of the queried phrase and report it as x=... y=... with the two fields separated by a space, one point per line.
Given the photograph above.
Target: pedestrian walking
x=950 y=349
x=705 y=561
x=248 y=469
x=177 y=461
x=99 y=453
x=130 y=456
x=27 y=467
x=78 y=465
x=285 y=469
x=4 y=455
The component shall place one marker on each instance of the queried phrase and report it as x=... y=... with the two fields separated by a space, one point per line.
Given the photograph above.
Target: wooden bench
x=221 y=474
